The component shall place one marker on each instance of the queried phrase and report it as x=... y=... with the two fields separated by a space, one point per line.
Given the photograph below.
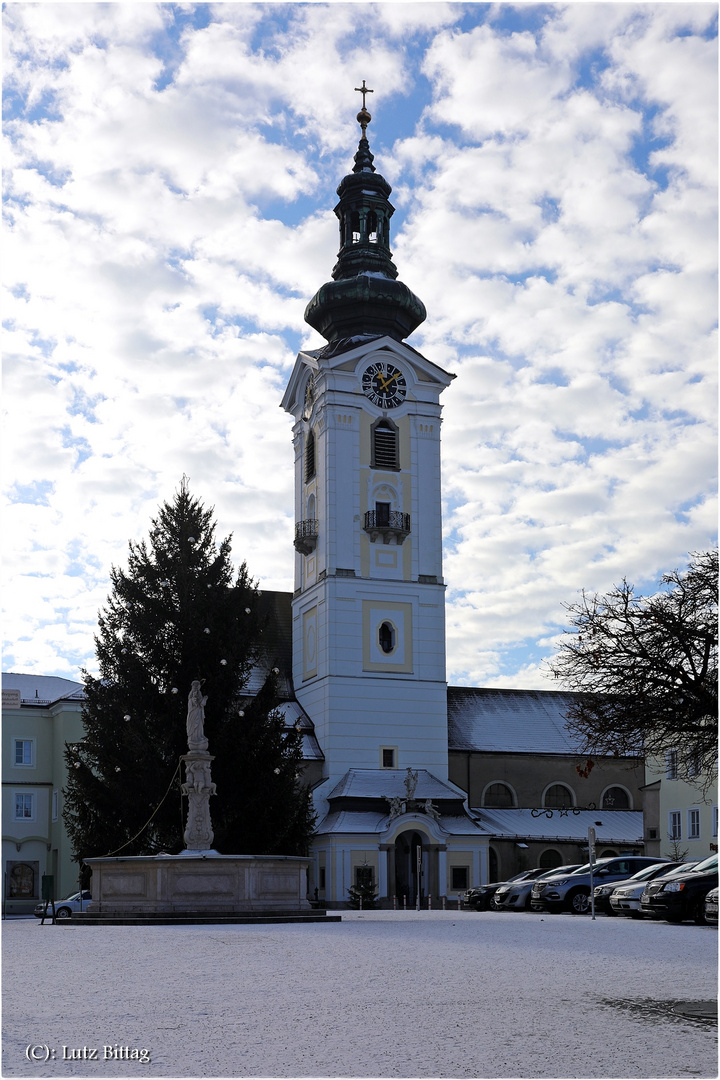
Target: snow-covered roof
x=372 y=821
x=390 y=783
x=611 y=826
x=509 y=721
x=42 y=689
x=353 y=821
x=293 y=714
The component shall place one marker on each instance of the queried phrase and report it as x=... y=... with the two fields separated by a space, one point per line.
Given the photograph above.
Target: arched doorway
x=410 y=858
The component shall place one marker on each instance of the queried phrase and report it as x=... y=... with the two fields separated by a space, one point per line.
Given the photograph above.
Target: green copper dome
x=364 y=297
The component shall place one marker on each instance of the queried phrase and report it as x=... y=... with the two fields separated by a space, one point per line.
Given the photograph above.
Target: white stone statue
x=397 y=807
x=431 y=810
x=410 y=783
x=196 y=718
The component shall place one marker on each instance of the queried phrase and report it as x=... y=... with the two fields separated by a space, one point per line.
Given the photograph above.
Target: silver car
x=515 y=895
x=64 y=908
x=625 y=899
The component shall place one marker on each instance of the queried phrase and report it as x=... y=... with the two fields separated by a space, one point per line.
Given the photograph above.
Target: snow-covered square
x=380 y=994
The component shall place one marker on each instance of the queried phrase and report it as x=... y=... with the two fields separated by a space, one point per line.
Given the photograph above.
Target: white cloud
x=169 y=205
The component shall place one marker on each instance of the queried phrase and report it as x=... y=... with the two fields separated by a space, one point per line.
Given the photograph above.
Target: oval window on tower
x=386 y=637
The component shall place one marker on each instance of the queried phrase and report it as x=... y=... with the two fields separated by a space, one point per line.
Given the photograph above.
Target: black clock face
x=384 y=384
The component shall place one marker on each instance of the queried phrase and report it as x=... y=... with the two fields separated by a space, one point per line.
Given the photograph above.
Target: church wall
x=530 y=774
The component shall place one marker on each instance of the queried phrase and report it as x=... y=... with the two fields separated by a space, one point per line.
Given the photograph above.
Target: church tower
x=368 y=605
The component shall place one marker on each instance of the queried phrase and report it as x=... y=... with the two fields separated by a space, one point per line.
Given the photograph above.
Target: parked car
x=480 y=898
x=711 y=906
x=64 y=908
x=604 y=893
x=625 y=899
x=515 y=895
x=682 y=896
x=571 y=892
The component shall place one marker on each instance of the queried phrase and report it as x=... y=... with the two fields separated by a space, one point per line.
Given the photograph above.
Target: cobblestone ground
x=381 y=994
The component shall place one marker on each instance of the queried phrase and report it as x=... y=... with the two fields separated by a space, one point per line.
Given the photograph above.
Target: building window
x=693 y=816
x=321 y=879
x=24 y=806
x=55 y=803
x=615 y=798
x=693 y=765
x=498 y=795
x=715 y=820
x=557 y=795
x=364 y=877
x=21 y=881
x=459 y=878
x=388 y=757
x=385 y=445
x=671 y=764
x=550 y=858
x=24 y=752
x=387 y=637
x=675 y=825
x=309 y=457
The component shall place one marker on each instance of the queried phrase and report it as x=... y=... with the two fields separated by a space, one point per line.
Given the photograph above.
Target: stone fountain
x=199 y=884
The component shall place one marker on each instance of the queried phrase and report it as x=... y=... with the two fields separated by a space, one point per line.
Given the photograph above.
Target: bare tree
x=645 y=669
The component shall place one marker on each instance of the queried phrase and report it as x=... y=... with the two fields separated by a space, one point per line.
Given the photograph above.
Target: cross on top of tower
x=363 y=90
x=363 y=117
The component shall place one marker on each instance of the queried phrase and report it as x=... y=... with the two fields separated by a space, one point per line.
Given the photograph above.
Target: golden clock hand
x=390 y=378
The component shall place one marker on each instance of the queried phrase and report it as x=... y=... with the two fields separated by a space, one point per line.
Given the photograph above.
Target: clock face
x=384 y=384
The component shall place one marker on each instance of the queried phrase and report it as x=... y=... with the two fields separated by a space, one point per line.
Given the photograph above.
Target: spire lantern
x=364 y=298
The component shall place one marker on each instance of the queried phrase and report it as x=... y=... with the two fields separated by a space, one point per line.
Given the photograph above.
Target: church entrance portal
x=409 y=866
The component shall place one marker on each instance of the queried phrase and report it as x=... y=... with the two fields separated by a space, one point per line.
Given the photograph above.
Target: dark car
x=625 y=900
x=603 y=893
x=711 y=906
x=480 y=898
x=681 y=896
x=571 y=892
x=515 y=895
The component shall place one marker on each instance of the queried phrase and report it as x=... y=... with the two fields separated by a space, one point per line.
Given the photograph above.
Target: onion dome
x=364 y=298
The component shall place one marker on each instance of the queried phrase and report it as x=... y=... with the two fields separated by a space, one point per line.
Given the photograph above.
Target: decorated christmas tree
x=178 y=613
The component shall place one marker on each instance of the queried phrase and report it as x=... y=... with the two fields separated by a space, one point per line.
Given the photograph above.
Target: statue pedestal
x=198 y=787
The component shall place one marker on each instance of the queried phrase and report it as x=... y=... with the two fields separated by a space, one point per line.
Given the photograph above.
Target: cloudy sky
x=170 y=173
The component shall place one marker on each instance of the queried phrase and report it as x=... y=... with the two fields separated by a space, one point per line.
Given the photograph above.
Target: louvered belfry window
x=309 y=457
x=385 y=449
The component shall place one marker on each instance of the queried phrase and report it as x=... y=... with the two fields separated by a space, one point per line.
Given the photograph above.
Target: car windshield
x=706 y=865
x=524 y=876
x=557 y=870
x=651 y=871
x=596 y=866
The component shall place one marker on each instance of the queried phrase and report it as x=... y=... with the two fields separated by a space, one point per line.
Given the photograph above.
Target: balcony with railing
x=306 y=535
x=387 y=524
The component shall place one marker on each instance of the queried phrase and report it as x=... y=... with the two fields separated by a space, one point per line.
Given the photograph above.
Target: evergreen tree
x=179 y=613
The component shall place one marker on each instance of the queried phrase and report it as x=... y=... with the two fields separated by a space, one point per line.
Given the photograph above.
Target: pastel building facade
x=40 y=715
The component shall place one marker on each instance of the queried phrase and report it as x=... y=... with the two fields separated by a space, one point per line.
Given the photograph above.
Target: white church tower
x=368 y=606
